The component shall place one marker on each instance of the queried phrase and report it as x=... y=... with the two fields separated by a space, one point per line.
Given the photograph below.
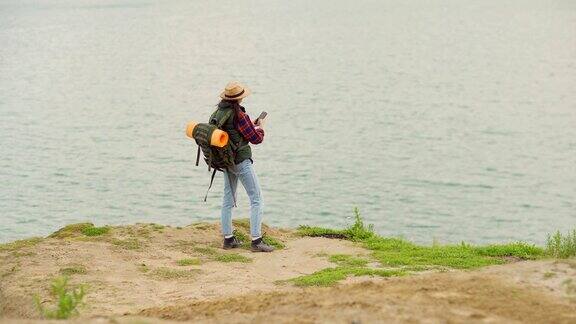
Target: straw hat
x=235 y=91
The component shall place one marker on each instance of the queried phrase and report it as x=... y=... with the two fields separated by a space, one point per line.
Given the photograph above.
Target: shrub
x=561 y=246
x=358 y=231
x=67 y=300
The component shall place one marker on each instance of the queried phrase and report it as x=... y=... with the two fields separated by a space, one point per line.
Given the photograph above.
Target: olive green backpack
x=217 y=158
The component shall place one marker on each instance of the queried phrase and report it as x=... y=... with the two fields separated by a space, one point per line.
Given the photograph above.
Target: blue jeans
x=245 y=172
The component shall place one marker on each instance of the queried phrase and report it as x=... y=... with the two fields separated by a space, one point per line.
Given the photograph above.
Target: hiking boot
x=231 y=243
x=259 y=246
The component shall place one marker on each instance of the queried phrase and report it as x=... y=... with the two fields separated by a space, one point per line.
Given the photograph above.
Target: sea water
x=443 y=119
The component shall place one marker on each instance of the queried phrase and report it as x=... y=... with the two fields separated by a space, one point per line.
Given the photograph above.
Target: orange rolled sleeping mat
x=219 y=137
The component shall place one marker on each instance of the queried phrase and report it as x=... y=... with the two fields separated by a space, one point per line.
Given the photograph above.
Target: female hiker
x=242 y=132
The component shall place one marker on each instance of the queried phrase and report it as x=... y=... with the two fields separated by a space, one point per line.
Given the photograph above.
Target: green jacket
x=240 y=144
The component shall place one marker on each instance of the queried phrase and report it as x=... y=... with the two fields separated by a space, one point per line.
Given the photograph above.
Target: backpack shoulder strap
x=224 y=118
x=221 y=120
x=219 y=117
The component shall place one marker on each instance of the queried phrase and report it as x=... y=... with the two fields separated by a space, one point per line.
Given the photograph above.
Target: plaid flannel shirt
x=254 y=134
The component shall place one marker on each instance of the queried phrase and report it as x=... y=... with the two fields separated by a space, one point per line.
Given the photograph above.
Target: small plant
x=358 y=231
x=561 y=246
x=313 y=231
x=188 y=262
x=67 y=300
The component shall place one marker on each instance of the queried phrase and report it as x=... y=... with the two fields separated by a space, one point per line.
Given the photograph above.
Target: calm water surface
x=445 y=119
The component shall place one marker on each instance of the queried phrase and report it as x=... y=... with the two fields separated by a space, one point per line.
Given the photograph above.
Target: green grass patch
x=95 y=231
x=314 y=231
x=16 y=245
x=346 y=260
x=242 y=233
x=356 y=232
x=561 y=246
x=396 y=252
x=243 y=223
x=399 y=252
x=188 y=262
x=202 y=226
x=205 y=250
x=128 y=244
x=214 y=255
x=456 y=256
x=407 y=256
x=243 y=238
x=70 y=230
x=67 y=300
x=232 y=257
x=73 y=269
x=80 y=229
x=330 y=276
x=272 y=241
x=173 y=274
x=519 y=249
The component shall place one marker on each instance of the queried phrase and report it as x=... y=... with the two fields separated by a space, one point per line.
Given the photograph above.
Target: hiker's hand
x=261 y=122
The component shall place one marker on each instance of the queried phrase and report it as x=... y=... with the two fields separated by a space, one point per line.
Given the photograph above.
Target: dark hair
x=237 y=110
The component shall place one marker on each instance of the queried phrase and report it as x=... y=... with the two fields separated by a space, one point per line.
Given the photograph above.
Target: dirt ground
x=133 y=277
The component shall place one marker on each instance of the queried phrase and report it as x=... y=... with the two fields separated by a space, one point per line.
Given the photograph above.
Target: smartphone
x=262 y=116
